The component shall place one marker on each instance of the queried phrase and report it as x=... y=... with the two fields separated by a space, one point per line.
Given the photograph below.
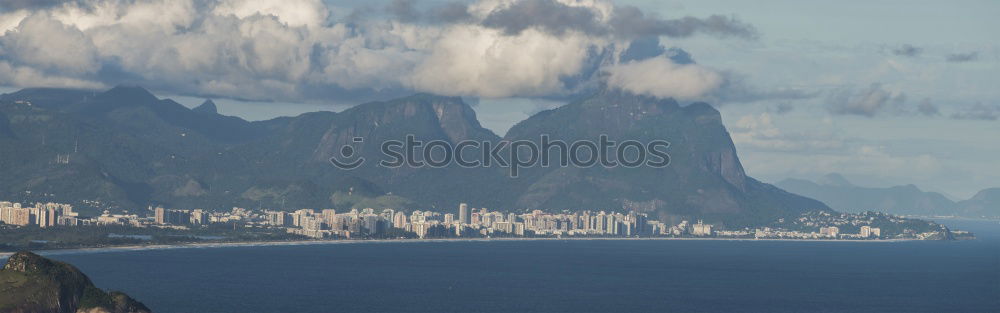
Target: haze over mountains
x=842 y=195
x=124 y=148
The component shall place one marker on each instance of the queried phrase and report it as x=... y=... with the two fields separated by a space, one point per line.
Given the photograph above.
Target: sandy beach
x=376 y=241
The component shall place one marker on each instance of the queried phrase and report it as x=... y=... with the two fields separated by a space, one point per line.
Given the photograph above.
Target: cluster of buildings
x=57 y=214
x=830 y=232
x=42 y=215
x=464 y=222
x=468 y=222
x=163 y=216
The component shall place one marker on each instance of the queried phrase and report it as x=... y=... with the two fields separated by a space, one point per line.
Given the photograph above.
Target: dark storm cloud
x=626 y=22
x=907 y=50
x=649 y=47
x=962 y=57
x=547 y=15
x=407 y=11
x=642 y=48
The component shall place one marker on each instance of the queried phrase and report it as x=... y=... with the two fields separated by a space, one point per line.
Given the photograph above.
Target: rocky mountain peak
x=207 y=107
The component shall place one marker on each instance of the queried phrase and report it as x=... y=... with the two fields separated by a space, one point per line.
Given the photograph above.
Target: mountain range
x=124 y=148
x=842 y=195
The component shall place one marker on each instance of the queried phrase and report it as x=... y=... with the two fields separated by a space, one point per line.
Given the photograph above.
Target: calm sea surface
x=564 y=276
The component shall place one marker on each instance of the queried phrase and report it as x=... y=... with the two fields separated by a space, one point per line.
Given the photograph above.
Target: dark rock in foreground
x=31 y=283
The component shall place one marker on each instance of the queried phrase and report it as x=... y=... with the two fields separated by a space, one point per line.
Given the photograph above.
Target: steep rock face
x=291 y=164
x=31 y=283
x=425 y=117
x=139 y=150
x=704 y=179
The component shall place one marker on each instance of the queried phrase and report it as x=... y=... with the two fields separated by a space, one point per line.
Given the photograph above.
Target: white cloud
x=311 y=13
x=26 y=76
x=293 y=50
x=661 y=77
x=473 y=60
x=45 y=44
x=10 y=20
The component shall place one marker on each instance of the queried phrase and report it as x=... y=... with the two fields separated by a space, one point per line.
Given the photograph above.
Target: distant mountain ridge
x=840 y=194
x=134 y=150
x=986 y=203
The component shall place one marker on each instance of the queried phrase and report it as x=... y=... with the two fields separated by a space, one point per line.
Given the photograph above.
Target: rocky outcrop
x=705 y=178
x=31 y=283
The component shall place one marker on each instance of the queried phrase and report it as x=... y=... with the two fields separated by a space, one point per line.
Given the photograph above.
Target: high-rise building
x=701 y=229
x=311 y=223
x=866 y=231
x=463 y=214
x=831 y=231
x=49 y=217
x=328 y=216
x=161 y=215
x=421 y=229
x=519 y=229
x=611 y=225
x=276 y=218
x=41 y=217
x=399 y=221
x=199 y=217
x=20 y=216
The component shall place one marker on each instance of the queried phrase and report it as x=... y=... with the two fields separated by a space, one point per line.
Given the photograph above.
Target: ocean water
x=564 y=276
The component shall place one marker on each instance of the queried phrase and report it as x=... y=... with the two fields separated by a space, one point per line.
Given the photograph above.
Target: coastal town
x=467 y=222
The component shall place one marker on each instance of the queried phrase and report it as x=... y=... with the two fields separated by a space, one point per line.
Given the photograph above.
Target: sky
x=883 y=92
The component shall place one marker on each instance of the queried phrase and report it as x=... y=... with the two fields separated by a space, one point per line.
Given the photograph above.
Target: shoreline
x=209 y=245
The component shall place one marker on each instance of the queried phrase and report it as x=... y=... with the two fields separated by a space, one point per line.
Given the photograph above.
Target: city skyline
x=794 y=83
